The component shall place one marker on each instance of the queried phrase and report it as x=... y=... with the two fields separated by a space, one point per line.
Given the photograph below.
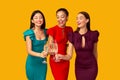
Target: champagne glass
x=55 y=50
x=46 y=51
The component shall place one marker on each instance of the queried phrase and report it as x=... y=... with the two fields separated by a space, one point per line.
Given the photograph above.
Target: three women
x=83 y=39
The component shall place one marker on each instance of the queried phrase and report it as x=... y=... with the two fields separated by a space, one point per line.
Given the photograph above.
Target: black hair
x=64 y=10
x=32 y=24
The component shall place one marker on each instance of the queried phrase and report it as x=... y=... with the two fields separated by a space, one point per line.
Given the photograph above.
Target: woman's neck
x=83 y=30
x=37 y=29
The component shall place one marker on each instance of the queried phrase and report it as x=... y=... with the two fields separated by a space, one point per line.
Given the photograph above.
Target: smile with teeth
x=39 y=22
x=61 y=22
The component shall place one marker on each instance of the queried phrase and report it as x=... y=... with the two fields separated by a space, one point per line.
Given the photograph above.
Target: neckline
x=84 y=33
x=35 y=36
x=60 y=27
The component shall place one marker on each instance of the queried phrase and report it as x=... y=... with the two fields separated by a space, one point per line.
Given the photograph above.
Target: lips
x=78 y=23
x=60 y=22
x=39 y=22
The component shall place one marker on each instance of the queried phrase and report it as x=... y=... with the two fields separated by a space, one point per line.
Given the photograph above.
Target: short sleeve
x=51 y=31
x=70 y=34
x=70 y=29
x=95 y=36
x=30 y=33
x=71 y=37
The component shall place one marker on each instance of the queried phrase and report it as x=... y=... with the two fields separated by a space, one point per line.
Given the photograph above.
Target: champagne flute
x=55 y=50
x=46 y=51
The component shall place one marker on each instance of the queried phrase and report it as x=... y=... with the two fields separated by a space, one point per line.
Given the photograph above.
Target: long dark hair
x=64 y=10
x=87 y=17
x=32 y=24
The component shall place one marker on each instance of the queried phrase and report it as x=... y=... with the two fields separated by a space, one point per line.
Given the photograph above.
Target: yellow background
x=15 y=18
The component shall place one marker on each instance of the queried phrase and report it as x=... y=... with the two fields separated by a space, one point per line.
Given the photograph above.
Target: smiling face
x=37 y=19
x=61 y=18
x=81 y=20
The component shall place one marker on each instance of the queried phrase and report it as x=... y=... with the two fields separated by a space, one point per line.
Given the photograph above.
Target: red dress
x=60 y=69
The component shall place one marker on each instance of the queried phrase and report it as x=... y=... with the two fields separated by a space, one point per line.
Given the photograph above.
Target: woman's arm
x=69 y=54
x=29 y=49
x=50 y=39
x=95 y=51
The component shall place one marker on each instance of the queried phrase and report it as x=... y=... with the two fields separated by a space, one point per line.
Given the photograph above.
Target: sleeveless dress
x=60 y=69
x=35 y=69
x=85 y=64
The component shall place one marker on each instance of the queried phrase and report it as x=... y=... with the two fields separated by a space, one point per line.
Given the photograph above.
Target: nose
x=39 y=19
x=60 y=19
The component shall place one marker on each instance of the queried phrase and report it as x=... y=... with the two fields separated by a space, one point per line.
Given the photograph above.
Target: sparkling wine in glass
x=46 y=51
x=55 y=50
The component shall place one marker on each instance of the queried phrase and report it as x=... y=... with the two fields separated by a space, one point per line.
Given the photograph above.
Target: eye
x=81 y=17
x=62 y=16
x=35 y=18
x=41 y=17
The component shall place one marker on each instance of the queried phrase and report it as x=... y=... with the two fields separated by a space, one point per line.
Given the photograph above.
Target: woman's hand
x=51 y=53
x=58 y=57
x=43 y=54
x=63 y=57
x=51 y=49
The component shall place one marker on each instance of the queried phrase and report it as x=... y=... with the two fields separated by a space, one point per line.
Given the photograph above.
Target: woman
x=35 y=38
x=59 y=34
x=85 y=44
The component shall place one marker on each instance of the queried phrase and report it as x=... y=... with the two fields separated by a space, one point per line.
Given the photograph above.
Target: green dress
x=35 y=68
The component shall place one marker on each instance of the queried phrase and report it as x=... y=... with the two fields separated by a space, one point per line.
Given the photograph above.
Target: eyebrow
x=60 y=15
